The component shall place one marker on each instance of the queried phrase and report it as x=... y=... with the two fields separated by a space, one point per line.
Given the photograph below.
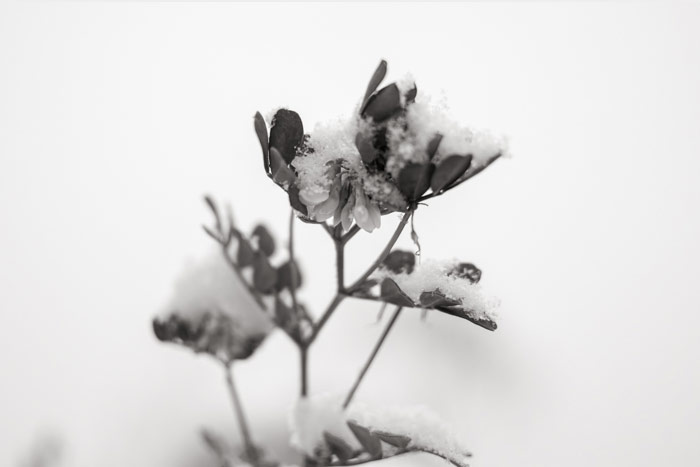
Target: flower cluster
x=393 y=153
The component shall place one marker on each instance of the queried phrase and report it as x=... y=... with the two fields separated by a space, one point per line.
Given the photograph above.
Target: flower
x=394 y=153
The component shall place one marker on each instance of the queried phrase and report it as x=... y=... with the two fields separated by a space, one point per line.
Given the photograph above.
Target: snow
x=427 y=431
x=211 y=285
x=431 y=275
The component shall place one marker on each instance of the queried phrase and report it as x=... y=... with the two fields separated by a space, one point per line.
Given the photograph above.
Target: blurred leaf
x=467 y=271
x=374 y=82
x=371 y=444
x=399 y=261
x=399 y=441
x=266 y=243
x=264 y=275
x=245 y=254
x=411 y=94
x=338 y=446
x=436 y=298
x=449 y=170
x=289 y=276
x=392 y=293
x=286 y=319
x=433 y=145
x=286 y=134
x=414 y=180
x=459 y=312
x=261 y=131
x=384 y=104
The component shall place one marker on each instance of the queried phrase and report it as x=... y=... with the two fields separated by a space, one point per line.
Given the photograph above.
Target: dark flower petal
x=414 y=180
x=449 y=171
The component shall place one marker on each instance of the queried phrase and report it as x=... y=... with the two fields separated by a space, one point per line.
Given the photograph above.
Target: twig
x=237 y=269
x=293 y=264
x=383 y=254
x=340 y=264
x=250 y=449
x=372 y=356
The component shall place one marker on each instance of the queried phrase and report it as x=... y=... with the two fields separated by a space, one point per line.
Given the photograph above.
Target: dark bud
x=467 y=271
x=399 y=261
x=287 y=133
x=266 y=243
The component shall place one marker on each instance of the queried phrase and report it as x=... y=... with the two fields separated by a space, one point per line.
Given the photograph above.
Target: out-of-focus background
x=116 y=118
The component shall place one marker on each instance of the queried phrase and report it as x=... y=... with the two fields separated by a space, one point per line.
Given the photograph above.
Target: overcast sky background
x=115 y=119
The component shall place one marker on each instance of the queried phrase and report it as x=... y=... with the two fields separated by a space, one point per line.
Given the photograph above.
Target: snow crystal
x=210 y=286
x=312 y=416
x=431 y=275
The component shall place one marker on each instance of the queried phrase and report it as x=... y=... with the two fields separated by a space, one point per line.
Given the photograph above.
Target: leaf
x=449 y=170
x=281 y=173
x=286 y=319
x=266 y=243
x=436 y=298
x=392 y=293
x=289 y=276
x=414 y=180
x=371 y=444
x=245 y=254
x=467 y=271
x=411 y=94
x=294 y=200
x=261 y=131
x=433 y=145
x=399 y=261
x=286 y=134
x=365 y=147
x=374 y=82
x=264 y=275
x=399 y=441
x=338 y=446
x=384 y=104
x=485 y=323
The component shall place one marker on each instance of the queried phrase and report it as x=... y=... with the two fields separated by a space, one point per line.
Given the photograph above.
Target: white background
x=116 y=118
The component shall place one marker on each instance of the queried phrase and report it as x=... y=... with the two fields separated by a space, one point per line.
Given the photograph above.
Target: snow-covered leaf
x=399 y=441
x=436 y=298
x=374 y=82
x=365 y=146
x=338 y=446
x=371 y=444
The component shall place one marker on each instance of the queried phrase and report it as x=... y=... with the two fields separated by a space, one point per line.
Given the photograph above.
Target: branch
x=250 y=449
x=374 y=353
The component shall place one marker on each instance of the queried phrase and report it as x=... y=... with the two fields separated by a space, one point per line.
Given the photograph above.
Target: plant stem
x=293 y=264
x=250 y=450
x=324 y=318
x=253 y=292
x=303 y=354
x=383 y=254
x=372 y=356
x=340 y=264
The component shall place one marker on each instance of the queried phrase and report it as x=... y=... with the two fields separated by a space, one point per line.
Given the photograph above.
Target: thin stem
x=384 y=253
x=303 y=354
x=254 y=293
x=372 y=356
x=324 y=318
x=351 y=233
x=292 y=262
x=340 y=264
x=240 y=416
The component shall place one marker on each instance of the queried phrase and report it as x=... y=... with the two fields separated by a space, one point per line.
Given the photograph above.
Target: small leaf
x=384 y=104
x=289 y=276
x=399 y=261
x=264 y=275
x=392 y=293
x=371 y=444
x=266 y=243
x=286 y=319
x=414 y=180
x=436 y=298
x=374 y=82
x=261 y=131
x=365 y=147
x=286 y=134
x=467 y=271
x=338 y=446
x=433 y=145
x=485 y=323
x=449 y=171
x=281 y=173
x=245 y=254
x=399 y=441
